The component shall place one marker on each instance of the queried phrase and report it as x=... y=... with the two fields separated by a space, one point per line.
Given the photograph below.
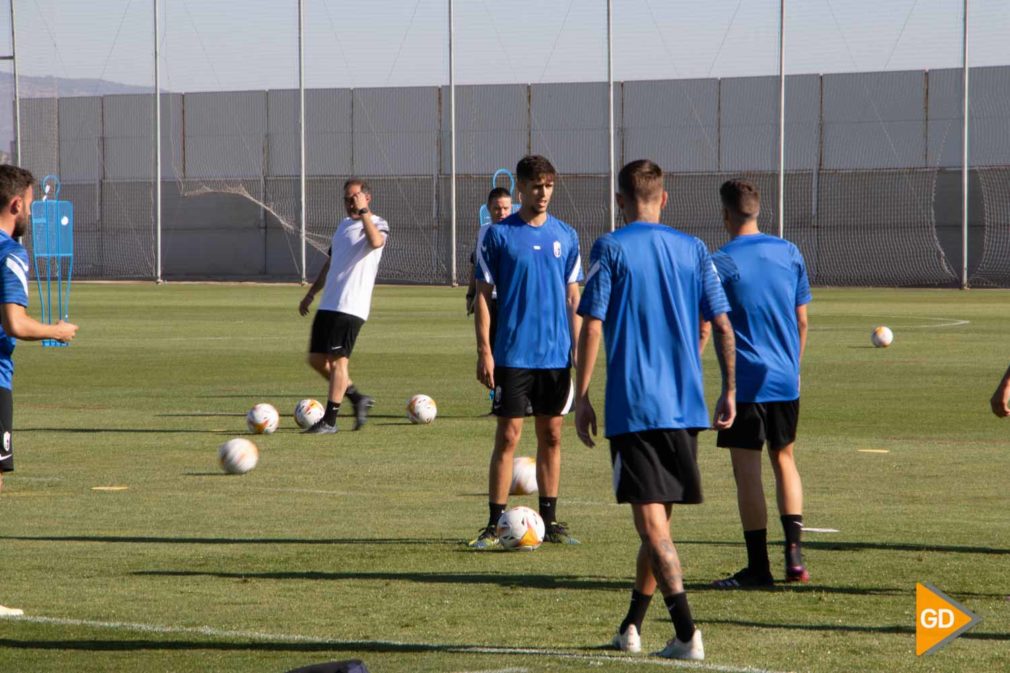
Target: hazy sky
x=252 y=44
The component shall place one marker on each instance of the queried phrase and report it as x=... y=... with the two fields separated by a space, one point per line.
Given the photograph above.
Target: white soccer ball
x=524 y=476
x=262 y=419
x=421 y=409
x=308 y=413
x=881 y=337
x=238 y=456
x=520 y=529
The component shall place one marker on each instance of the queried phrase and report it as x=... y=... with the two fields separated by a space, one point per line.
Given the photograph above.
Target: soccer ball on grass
x=308 y=413
x=238 y=456
x=881 y=337
x=421 y=409
x=520 y=529
x=262 y=419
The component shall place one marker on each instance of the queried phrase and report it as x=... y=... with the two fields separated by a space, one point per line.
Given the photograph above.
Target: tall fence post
x=452 y=147
x=157 y=145
x=301 y=134
x=964 y=151
x=610 y=111
x=782 y=117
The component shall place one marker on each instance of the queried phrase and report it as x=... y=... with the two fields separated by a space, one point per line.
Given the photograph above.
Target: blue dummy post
x=483 y=216
x=53 y=253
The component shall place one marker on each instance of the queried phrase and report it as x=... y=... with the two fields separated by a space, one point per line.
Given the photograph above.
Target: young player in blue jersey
x=15 y=215
x=647 y=290
x=532 y=259
x=765 y=280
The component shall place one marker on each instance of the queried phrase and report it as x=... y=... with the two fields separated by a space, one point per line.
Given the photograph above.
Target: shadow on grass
x=794 y=588
x=140 y=539
x=519 y=581
x=860 y=546
x=161 y=431
x=849 y=628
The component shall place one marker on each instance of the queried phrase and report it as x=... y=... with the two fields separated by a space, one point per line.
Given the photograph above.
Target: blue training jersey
x=648 y=283
x=765 y=279
x=531 y=268
x=14 y=290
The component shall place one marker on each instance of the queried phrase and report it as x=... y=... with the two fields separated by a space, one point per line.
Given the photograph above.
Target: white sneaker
x=693 y=649
x=10 y=612
x=629 y=641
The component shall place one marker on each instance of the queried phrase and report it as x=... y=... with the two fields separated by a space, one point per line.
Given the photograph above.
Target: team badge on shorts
x=496 y=401
x=557 y=248
x=7 y=442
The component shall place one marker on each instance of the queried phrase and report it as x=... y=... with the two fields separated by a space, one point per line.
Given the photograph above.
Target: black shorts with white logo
x=758 y=423
x=656 y=466
x=6 y=427
x=334 y=333
x=528 y=392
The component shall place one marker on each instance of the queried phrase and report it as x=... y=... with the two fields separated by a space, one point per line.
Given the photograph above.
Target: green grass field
x=350 y=546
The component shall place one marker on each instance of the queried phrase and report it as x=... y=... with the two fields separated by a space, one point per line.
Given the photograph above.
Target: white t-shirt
x=353 y=266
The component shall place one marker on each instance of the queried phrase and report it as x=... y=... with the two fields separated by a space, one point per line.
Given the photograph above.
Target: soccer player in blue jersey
x=15 y=215
x=532 y=259
x=647 y=290
x=766 y=283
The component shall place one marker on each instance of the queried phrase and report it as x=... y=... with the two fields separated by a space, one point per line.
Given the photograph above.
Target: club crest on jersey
x=557 y=248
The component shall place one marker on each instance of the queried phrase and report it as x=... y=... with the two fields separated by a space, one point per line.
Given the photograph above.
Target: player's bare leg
x=750 y=500
x=339 y=382
x=549 y=477
x=320 y=363
x=628 y=637
x=789 y=493
x=652 y=521
x=499 y=479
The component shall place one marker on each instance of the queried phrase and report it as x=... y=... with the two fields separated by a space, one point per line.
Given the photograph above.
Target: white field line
x=880 y=320
x=500 y=670
x=211 y=632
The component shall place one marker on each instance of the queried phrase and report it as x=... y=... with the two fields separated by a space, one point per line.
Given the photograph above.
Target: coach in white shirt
x=349 y=276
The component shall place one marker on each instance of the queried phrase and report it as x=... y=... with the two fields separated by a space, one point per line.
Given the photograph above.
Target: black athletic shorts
x=6 y=427
x=656 y=466
x=528 y=392
x=760 y=422
x=334 y=333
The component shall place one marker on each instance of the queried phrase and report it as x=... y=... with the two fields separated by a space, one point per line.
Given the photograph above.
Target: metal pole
x=157 y=143
x=964 y=154
x=782 y=117
x=452 y=144
x=301 y=128
x=610 y=109
x=17 y=96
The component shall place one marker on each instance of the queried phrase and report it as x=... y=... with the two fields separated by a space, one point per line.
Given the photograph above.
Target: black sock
x=332 y=408
x=680 y=613
x=494 y=511
x=792 y=526
x=548 y=510
x=636 y=611
x=757 y=549
x=353 y=394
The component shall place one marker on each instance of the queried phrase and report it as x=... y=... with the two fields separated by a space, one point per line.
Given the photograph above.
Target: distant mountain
x=45 y=87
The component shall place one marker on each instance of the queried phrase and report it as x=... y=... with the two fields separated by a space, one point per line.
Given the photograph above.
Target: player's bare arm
x=704 y=332
x=471 y=292
x=589 y=345
x=801 y=324
x=1000 y=401
x=574 y=319
x=317 y=285
x=376 y=239
x=482 y=327
x=725 y=352
x=18 y=324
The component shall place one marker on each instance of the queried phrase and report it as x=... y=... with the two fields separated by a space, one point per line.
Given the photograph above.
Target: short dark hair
x=641 y=180
x=14 y=181
x=365 y=187
x=533 y=166
x=498 y=193
x=741 y=198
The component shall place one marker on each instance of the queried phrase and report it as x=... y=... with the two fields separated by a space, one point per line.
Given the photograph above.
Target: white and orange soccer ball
x=421 y=410
x=308 y=413
x=262 y=419
x=520 y=529
x=881 y=337
x=238 y=456
x=524 y=476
